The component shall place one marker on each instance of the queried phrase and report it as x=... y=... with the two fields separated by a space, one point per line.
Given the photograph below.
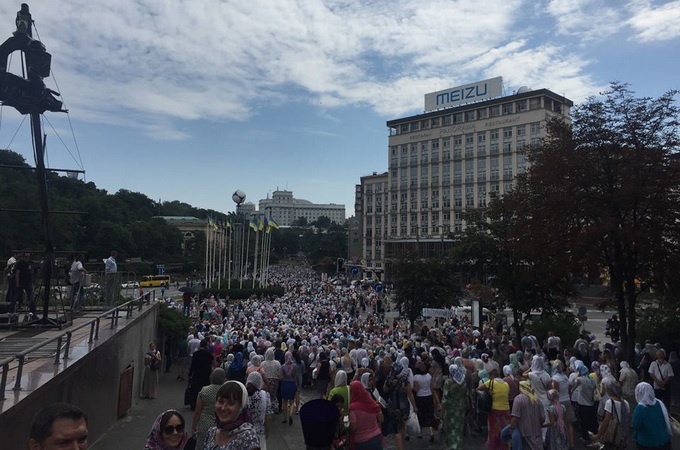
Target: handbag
x=187 y=393
x=191 y=443
x=612 y=437
x=485 y=399
x=412 y=424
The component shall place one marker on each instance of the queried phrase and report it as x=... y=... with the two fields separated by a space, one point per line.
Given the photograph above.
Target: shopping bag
x=412 y=424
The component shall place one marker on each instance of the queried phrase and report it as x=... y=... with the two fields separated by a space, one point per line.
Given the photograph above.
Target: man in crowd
x=662 y=374
x=59 y=426
x=77 y=278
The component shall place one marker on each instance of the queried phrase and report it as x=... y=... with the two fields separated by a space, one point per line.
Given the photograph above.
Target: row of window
x=454 y=118
x=429 y=150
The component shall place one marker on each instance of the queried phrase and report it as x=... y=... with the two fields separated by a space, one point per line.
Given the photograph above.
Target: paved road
x=130 y=432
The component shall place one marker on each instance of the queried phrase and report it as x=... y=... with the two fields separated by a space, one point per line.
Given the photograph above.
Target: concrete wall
x=91 y=382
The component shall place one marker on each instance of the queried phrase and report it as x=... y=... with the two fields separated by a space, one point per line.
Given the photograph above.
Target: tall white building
x=445 y=161
x=285 y=209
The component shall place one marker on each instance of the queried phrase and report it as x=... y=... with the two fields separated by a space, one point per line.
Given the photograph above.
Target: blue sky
x=192 y=99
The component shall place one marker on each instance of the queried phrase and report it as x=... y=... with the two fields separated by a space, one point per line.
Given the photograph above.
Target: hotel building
x=445 y=161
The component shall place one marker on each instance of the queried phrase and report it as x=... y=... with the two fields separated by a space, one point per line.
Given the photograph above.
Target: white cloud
x=588 y=19
x=150 y=64
x=655 y=23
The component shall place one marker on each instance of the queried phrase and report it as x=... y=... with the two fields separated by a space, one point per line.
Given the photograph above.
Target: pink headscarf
x=554 y=398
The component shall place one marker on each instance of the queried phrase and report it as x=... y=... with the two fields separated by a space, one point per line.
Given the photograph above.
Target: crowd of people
x=247 y=362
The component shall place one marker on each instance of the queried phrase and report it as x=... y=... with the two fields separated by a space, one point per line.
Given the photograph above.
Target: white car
x=130 y=285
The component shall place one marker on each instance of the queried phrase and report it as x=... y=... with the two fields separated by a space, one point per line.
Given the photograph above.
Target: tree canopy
x=601 y=196
x=423 y=283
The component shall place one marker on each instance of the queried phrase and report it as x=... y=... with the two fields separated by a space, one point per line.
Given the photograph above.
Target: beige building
x=443 y=162
x=285 y=209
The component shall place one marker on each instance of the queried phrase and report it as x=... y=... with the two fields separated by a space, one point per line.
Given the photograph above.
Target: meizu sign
x=473 y=92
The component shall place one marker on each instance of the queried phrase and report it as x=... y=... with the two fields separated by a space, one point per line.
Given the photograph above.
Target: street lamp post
x=239 y=230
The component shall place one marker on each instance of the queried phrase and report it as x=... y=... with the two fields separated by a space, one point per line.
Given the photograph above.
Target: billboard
x=481 y=90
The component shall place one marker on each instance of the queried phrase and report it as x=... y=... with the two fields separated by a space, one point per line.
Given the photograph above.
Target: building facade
x=285 y=209
x=443 y=162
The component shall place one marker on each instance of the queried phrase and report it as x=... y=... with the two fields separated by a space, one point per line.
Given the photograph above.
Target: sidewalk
x=131 y=431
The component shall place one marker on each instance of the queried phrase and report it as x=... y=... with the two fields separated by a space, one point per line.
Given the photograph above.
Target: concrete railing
x=94 y=323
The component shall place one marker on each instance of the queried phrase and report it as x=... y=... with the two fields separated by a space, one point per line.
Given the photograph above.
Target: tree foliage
x=603 y=191
x=423 y=283
x=122 y=221
x=495 y=249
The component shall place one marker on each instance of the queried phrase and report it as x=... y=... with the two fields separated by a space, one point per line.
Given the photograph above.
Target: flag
x=273 y=224
x=252 y=225
x=260 y=224
x=228 y=226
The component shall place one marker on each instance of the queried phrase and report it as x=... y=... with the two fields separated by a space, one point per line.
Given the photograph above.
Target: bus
x=155 y=281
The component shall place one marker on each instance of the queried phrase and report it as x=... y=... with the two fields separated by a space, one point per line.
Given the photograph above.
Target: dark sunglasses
x=170 y=429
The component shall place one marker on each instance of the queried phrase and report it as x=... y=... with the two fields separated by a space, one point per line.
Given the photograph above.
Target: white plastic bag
x=412 y=424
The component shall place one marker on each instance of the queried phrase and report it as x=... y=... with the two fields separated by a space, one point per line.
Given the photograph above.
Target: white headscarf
x=340 y=378
x=644 y=395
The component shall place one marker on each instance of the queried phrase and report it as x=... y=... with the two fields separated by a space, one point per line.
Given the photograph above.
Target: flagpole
x=207 y=245
x=255 y=268
x=219 y=247
x=229 y=258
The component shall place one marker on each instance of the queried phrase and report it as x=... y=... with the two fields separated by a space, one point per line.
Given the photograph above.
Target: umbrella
x=191 y=289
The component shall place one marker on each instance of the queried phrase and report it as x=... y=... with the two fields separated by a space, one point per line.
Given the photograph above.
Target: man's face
x=67 y=434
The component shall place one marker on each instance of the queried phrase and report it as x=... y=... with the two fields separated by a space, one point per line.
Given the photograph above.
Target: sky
x=190 y=100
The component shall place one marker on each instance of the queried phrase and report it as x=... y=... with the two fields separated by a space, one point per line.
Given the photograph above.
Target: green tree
x=300 y=222
x=604 y=189
x=524 y=276
x=423 y=283
x=322 y=222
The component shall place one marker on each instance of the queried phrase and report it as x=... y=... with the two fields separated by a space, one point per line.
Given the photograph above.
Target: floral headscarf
x=243 y=417
x=154 y=441
x=457 y=373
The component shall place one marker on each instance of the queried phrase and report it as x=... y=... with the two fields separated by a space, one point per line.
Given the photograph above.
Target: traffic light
x=340 y=265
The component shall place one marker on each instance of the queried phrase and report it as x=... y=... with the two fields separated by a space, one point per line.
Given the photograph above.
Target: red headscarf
x=360 y=400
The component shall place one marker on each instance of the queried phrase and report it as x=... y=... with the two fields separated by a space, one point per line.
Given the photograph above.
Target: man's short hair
x=41 y=428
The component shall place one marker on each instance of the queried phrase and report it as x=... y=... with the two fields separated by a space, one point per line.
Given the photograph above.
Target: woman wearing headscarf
x=587 y=410
x=628 y=379
x=168 y=432
x=560 y=434
x=272 y=370
x=365 y=418
x=256 y=366
x=204 y=414
x=605 y=373
x=233 y=429
x=260 y=406
x=237 y=370
x=290 y=372
x=539 y=379
x=404 y=361
x=399 y=397
x=499 y=416
x=513 y=384
x=651 y=424
x=454 y=402
x=560 y=383
x=617 y=410
x=340 y=387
